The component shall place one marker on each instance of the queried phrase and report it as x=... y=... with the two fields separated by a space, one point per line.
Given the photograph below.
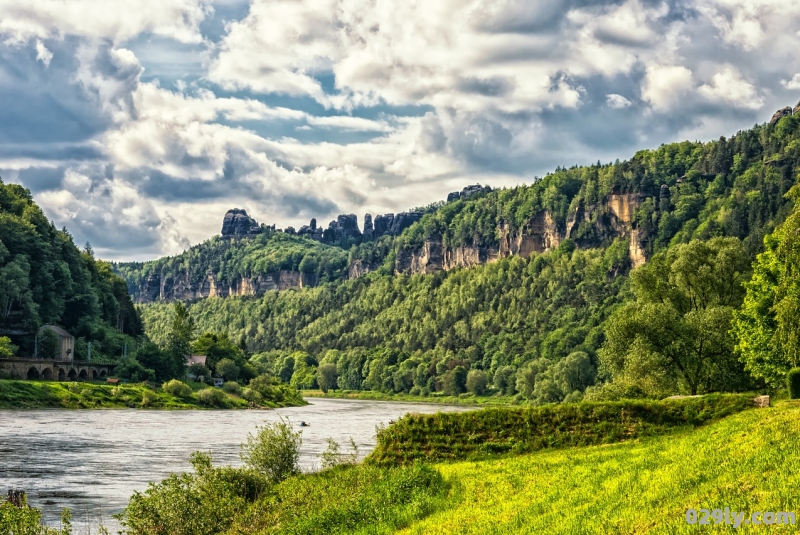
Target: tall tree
x=681 y=318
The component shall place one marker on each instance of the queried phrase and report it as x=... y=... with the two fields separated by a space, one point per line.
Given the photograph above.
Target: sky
x=138 y=123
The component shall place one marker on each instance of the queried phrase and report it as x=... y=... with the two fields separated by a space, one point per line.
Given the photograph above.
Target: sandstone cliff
x=587 y=226
x=172 y=288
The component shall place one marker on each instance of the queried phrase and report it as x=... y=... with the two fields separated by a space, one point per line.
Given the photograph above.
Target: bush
x=228 y=369
x=252 y=396
x=211 y=396
x=793 y=378
x=177 y=388
x=148 y=397
x=232 y=387
x=274 y=450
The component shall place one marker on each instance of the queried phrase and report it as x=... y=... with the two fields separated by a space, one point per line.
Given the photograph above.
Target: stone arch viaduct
x=55 y=370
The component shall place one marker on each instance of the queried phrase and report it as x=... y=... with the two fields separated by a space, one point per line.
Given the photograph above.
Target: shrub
x=274 y=450
x=177 y=388
x=211 y=396
x=228 y=369
x=252 y=396
x=232 y=387
x=148 y=397
x=333 y=456
x=793 y=378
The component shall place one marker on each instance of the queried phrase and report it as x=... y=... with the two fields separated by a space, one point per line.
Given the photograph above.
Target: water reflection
x=92 y=461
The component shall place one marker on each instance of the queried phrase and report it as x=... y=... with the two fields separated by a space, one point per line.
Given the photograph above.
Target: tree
x=681 y=318
x=47 y=344
x=131 y=369
x=766 y=326
x=529 y=374
x=457 y=381
x=150 y=356
x=7 y=349
x=476 y=382
x=274 y=450
x=326 y=377
x=180 y=336
x=228 y=369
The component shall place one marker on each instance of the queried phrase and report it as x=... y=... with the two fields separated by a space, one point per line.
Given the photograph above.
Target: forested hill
x=46 y=279
x=551 y=263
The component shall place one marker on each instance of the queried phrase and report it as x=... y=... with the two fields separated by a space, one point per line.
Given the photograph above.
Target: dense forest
x=552 y=325
x=46 y=279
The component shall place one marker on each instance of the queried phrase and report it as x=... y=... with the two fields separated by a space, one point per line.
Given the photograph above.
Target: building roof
x=57 y=330
x=196 y=359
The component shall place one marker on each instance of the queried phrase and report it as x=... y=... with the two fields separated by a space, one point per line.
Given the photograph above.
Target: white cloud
x=617 y=102
x=100 y=19
x=43 y=54
x=729 y=87
x=794 y=83
x=664 y=85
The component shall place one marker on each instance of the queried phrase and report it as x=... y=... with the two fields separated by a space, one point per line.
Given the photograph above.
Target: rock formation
x=797 y=109
x=237 y=224
x=369 y=233
x=468 y=192
x=780 y=114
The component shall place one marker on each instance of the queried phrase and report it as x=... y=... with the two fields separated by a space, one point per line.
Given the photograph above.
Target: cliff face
x=588 y=226
x=158 y=288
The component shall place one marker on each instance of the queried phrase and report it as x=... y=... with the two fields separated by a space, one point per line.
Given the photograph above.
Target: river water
x=91 y=461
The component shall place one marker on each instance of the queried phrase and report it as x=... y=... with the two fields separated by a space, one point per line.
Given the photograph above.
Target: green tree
x=7 y=349
x=681 y=318
x=228 y=369
x=179 y=345
x=326 y=377
x=274 y=450
x=476 y=382
x=766 y=326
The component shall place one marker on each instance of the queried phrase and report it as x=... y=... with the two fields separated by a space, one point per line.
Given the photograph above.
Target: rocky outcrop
x=796 y=109
x=469 y=191
x=588 y=226
x=158 y=288
x=237 y=224
x=780 y=114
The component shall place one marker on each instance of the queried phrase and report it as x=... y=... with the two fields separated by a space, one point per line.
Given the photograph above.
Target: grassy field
x=47 y=394
x=463 y=399
x=748 y=462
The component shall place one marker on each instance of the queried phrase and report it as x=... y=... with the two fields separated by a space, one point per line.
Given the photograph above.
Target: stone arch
x=102 y=373
x=47 y=374
x=83 y=375
x=62 y=375
x=33 y=373
x=94 y=374
x=72 y=374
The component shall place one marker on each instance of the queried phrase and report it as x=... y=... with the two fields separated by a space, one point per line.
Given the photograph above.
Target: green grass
x=493 y=431
x=463 y=399
x=748 y=462
x=45 y=394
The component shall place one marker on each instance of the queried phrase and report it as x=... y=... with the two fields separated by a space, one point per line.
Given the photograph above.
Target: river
x=91 y=461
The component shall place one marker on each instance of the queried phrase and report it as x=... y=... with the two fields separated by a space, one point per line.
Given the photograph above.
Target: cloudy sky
x=138 y=123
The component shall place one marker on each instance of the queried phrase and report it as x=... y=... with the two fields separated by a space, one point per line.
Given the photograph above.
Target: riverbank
x=370 y=395
x=16 y=394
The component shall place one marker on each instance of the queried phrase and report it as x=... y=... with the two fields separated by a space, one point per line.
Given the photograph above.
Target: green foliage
x=273 y=451
x=47 y=345
x=228 y=369
x=677 y=332
x=766 y=327
x=232 y=387
x=274 y=393
x=476 y=382
x=211 y=396
x=203 y=503
x=333 y=456
x=131 y=369
x=176 y=388
x=7 y=349
x=28 y=521
x=231 y=260
x=448 y=436
x=793 y=383
x=326 y=377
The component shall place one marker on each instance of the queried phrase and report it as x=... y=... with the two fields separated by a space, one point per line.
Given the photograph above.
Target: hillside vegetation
x=535 y=326
x=45 y=278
